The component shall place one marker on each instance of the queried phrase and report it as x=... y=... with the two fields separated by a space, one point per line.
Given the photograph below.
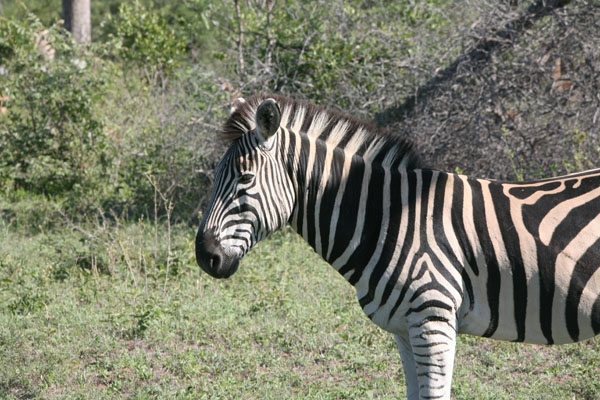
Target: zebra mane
x=340 y=130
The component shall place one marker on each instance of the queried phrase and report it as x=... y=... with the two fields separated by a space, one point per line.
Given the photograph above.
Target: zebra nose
x=208 y=252
x=210 y=256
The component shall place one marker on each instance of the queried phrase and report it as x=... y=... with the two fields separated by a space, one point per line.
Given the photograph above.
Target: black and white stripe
x=430 y=254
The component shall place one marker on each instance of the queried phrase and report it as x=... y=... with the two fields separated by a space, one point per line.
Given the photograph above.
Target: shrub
x=143 y=37
x=51 y=141
x=342 y=53
x=91 y=133
x=167 y=141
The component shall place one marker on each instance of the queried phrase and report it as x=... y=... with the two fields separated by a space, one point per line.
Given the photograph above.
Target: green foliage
x=51 y=141
x=89 y=130
x=15 y=36
x=342 y=50
x=142 y=36
x=48 y=11
x=162 y=135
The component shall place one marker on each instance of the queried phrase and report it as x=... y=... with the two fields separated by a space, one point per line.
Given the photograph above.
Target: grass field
x=89 y=312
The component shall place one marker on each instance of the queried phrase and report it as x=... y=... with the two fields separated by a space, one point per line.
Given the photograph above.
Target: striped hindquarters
x=515 y=261
x=533 y=253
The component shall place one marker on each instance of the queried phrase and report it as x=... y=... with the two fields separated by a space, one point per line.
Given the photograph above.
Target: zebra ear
x=268 y=117
x=236 y=104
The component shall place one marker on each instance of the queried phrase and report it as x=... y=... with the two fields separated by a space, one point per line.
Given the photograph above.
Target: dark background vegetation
x=499 y=89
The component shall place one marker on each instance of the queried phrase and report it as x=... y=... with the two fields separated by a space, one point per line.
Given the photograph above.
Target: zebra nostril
x=215 y=261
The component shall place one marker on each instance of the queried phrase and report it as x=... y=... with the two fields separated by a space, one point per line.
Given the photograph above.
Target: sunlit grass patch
x=286 y=325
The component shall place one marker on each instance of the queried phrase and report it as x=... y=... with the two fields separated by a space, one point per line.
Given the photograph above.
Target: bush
x=167 y=141
x=349 y=54
x=91 y=133
x=143 y=37
x=51 y=141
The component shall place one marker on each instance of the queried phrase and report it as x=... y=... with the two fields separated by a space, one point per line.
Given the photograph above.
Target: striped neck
x=335 y=194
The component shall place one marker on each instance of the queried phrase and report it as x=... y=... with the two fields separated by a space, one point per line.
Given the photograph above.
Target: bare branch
x=473 y=57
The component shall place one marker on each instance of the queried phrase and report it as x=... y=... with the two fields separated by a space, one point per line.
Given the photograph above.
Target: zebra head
x=252 y=194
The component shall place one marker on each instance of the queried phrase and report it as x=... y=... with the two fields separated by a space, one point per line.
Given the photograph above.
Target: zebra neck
x=340 y=205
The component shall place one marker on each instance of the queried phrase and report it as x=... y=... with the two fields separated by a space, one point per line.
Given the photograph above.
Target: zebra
x=430 y=254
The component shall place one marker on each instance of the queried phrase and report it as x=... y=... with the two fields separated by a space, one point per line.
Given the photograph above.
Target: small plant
x=585 y=154
x=28 y=303
x=143 y=320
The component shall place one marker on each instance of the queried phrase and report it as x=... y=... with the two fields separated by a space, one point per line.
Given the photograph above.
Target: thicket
x=113 y=126
x=129 y=124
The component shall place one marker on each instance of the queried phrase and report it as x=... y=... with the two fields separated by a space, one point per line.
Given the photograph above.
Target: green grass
x=85 y=314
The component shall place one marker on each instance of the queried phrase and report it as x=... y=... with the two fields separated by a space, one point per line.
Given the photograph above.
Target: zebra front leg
x=433 y=342
x=409 y=367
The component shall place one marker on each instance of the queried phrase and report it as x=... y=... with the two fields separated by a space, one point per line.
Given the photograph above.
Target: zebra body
x=516 y=261
x=430 y=254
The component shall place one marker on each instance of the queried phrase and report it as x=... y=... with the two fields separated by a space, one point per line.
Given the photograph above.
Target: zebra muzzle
x=211 y=257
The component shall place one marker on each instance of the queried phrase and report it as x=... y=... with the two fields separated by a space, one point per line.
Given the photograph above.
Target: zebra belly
x=572 y=314
x=576 y=307
x=568 y=322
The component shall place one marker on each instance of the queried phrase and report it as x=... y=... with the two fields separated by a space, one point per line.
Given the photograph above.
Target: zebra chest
x=388 y=311
x=397 y=323
x=415 y=293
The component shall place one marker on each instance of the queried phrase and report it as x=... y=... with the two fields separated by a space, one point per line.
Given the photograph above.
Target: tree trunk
x=77 y=16
x=240 y=39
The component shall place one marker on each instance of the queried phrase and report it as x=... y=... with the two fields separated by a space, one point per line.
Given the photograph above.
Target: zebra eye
x=245 y=179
